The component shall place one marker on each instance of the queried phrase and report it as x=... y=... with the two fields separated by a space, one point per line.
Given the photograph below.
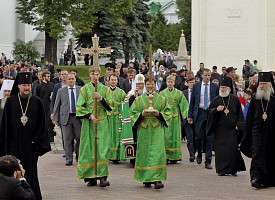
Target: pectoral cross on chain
x=95 y=50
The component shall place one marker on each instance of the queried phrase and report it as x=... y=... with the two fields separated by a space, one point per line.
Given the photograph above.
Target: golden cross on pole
x=96 y=50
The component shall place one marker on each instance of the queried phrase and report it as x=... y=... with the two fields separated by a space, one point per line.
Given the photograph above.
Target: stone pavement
x=185 y=181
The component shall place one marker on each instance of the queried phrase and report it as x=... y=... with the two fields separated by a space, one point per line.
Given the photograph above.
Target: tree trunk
x=126 y=55
x=50 y=49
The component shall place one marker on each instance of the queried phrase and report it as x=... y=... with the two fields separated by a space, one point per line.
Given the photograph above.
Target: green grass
x=82 y=71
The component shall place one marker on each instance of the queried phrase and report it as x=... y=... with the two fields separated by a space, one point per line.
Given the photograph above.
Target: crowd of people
x=219 y=114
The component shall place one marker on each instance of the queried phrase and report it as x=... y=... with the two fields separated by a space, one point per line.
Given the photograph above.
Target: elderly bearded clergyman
x=225 y=121
x=260 y=138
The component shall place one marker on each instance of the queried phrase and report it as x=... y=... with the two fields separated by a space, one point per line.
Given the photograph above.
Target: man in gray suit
x=65 y=114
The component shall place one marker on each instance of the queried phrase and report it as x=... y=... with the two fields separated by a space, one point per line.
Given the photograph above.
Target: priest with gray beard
x=5 y=93
x=225 y=121
x=259 y=141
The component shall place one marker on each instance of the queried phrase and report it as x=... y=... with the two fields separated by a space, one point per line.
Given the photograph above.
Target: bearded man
x=225 y=120
x=23 y=130
x=5 y=93
x=259 y=141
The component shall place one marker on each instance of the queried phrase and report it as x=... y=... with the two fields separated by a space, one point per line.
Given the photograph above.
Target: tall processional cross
x=95 y=50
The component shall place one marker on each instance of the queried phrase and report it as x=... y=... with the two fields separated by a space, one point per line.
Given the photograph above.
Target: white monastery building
x=225 y=33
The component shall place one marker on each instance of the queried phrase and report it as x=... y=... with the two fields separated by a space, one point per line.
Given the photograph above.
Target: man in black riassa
x=44 y=91
x=260 y=138
x=23 y=131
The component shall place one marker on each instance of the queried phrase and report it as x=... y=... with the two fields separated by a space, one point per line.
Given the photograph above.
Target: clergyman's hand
x=97 y=96
x=144 y=113
x=220 y=108
x=190 y=121
x=92 y=117
x=156 y=113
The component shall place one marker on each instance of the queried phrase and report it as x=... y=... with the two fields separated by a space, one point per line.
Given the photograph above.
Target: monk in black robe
x=259 y=141
x=225 y=121
x=23 y=131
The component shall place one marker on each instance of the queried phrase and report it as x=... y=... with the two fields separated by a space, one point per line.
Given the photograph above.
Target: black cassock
x=259 y=141
x=228 y=159
x=27 y=142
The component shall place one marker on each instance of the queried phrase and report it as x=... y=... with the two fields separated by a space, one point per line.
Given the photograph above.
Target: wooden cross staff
x=95 y=50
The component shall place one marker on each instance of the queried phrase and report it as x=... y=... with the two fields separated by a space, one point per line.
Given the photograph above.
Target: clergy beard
x=140 y=91
x=25 y=96
x=264 y=93
x=3 y=101
x=224 y=94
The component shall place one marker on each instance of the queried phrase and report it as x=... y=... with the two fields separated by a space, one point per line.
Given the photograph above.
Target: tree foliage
x=24 y=51
x=54 y=16
x=185 y=14
x=164 y=36
x=136 y=30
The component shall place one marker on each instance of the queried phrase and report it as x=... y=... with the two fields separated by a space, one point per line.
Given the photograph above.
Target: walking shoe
x=234 y=174
x=91 y=182
x=147 y=184
x=255 y=183
x=199 y=159
x=104 y=182
x=208 y=166
x=158 y=185
x=191 y=159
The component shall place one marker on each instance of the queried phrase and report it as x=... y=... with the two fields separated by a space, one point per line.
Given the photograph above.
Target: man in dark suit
x=202 y=94
x=126 y=85
x=189 y=128
x=64 y=113
x=63 y=74
x=12 y=181
x=79 y=81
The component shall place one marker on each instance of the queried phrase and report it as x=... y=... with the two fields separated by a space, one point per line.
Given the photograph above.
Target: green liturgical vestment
x=115 y=123
x=84 y=107
x=150 y=156
x=178 y=102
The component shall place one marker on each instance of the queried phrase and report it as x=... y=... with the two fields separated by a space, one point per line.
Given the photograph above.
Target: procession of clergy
x=141 y=117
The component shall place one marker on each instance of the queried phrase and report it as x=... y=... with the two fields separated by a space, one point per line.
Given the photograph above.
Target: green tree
x=24 y=51
x=136 y=30
x=185 y=14
x=164 y=36
x=54 y=16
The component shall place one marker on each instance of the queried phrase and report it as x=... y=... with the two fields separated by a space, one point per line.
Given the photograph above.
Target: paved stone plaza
x=185 y=181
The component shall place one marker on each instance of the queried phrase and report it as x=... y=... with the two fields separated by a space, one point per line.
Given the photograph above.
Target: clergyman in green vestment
x=150 y=166
x=85 y=111
x=178 y=102
x=114 y=120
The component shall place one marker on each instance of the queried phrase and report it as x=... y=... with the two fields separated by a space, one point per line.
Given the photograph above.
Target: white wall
x=8 y=24
x=225 y=33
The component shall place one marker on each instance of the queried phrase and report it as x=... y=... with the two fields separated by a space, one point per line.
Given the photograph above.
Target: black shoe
x=255 y=183
x=104 y=182
x=69 y=163
x=191 y=159
x=173 y=161
x=115 y=162
x=133 y=161
x=76 y=158
x=147 y=184
x=158 y=185
x=91 y=182
x=221 y=174
x=234 y=174
x=208 y=166
x=199 y=159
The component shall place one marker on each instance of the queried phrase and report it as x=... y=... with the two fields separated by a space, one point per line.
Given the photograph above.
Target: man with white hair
x=5 y=93
x=260 y=139
x=225 y=121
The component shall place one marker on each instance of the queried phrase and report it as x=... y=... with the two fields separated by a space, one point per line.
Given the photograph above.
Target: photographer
x=12 y=181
